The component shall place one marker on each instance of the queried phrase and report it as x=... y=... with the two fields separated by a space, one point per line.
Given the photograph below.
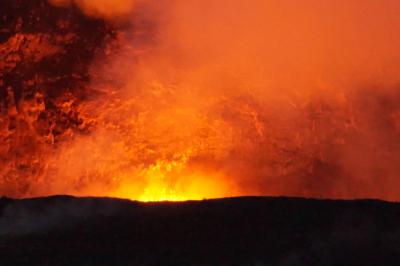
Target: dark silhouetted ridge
x=64 y=230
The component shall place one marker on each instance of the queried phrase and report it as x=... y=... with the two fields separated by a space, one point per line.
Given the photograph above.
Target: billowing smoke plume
x=235 y=97
x=99 y=8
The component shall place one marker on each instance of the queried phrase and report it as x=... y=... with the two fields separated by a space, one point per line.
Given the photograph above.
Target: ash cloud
x=99 y=8
x=271 y=97
x=300 y=95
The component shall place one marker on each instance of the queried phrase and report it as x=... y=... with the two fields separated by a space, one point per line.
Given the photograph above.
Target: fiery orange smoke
x=99 y=8
x=229 y=98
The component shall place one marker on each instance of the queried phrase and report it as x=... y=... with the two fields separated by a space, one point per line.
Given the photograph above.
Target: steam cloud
x=266 y=97
x=99 y=8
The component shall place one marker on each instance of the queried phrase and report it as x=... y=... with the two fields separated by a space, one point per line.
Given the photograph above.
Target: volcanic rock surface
x=64 y=230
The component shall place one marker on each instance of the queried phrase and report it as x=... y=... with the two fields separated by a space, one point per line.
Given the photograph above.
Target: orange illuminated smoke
x=205 y=99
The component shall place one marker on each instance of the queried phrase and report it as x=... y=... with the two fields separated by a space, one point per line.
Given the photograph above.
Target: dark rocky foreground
x=239 y=231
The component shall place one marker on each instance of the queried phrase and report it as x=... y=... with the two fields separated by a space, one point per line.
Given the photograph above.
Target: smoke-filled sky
x=99 y=8
x=236 y=97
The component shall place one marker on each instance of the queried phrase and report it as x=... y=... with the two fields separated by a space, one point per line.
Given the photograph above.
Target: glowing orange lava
x=170 y=181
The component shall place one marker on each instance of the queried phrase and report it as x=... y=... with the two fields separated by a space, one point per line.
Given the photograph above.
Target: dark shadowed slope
x=239 y=231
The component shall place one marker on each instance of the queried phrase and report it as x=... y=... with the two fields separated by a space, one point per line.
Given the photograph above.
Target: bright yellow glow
x=172 y=181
